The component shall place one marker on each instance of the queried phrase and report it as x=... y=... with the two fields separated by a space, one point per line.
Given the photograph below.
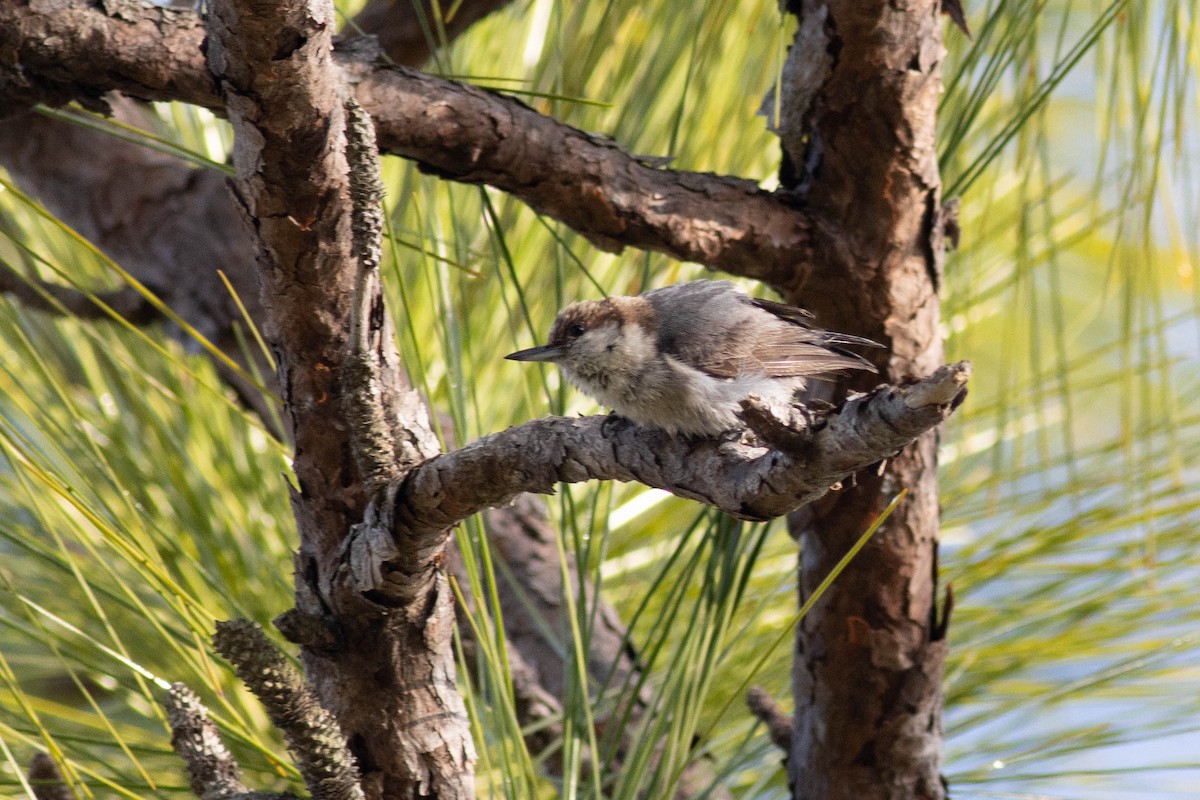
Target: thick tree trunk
x=389 y=675
x=869 y=656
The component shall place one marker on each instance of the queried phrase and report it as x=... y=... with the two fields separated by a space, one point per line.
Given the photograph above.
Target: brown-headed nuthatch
x=681 y=357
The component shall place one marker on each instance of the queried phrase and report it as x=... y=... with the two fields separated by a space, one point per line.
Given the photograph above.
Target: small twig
x=776 y=433
x=954 y=10
x=47 y=781
x=939 y=627
x=311 y=733
x=315 y=632
x=214 y=773
x=779 y=724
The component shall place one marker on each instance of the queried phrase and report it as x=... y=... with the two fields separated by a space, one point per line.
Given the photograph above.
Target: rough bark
x=390 y=678
x=461 y=132
x=470 y=135
x=54 y=52
x=867 y=675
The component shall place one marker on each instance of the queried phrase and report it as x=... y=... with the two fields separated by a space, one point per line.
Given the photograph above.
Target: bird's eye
x=576 y=330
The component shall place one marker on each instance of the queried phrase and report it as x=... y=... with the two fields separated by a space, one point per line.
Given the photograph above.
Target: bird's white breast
x=665 y=393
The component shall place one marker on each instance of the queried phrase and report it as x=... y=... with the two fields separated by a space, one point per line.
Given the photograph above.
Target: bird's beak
x=544 y=353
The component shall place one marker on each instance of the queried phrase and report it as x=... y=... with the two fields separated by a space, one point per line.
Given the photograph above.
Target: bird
x=681 y=358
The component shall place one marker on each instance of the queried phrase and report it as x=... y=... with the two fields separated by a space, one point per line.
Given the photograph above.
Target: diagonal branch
x=746 y=480
x=462 y=132
x=471 y=135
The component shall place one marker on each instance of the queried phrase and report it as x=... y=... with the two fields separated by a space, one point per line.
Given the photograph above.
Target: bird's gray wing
x=797 y=348
x=712 y=327
x=784 y=355
x=698 y=322
x=804 y=318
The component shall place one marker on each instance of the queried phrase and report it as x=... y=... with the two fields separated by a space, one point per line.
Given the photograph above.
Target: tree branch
x=779 y=724
x=458 y=131
x=387 y=555
x=471 y=135
x=59 y=52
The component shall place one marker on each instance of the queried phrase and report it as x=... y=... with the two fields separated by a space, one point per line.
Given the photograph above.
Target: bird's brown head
x=589 y=329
